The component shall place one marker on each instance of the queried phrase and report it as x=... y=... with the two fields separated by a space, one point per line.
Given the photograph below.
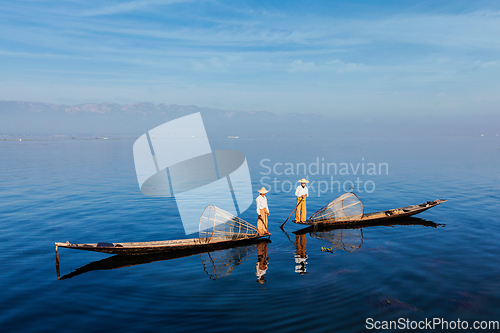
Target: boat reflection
x=389 y=223
x=344 y=237
x=216 y=264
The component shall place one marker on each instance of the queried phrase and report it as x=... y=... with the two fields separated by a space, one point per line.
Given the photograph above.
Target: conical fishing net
x=345 y=208
x=343 y=239
x=217 y=225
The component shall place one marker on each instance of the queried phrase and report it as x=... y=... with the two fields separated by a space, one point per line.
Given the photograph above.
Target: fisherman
x=301 y=193
x=263 y=212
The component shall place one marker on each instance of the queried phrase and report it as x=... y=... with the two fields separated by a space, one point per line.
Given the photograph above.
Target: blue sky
x=325 y=57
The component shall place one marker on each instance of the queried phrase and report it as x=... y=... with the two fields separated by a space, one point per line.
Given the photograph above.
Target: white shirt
x=259 y=272
x=261 y=203
x=300 y=191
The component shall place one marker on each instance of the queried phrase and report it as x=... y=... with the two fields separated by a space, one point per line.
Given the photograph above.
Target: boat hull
x=379 y=216
x=138 y=248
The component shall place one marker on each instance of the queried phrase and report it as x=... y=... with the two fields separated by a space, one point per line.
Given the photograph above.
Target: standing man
x=263 y=211
x=301 y=193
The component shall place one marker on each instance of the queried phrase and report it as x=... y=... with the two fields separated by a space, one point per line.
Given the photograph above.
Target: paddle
x=291 y=213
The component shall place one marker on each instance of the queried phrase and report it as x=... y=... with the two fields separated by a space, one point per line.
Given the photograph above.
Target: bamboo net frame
x=345 y=208
x=216 y=223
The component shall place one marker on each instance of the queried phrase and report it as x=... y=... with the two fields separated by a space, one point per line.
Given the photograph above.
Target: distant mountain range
x=35 y=118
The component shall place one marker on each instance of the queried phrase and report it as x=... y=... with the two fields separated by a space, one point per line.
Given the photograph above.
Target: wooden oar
x=291 y=213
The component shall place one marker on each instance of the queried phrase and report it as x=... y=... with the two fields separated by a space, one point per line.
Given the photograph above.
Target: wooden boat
x=401 y=221
x=122 y=261
x=337 y=216
x=162 y=246
x=217 y=228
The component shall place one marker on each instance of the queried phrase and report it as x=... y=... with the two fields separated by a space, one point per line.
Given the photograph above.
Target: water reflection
x=300 y=254
x=216 y=264
x=262 y=262
x=323 y=228
x=221 y=263
x=343 y=237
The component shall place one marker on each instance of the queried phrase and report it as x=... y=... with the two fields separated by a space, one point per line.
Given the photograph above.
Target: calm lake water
x=442 y=264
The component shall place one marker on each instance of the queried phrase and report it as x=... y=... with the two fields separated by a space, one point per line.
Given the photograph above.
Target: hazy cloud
x=489 y=64
x=123 y=7
x=299 y=66
x=343 y=67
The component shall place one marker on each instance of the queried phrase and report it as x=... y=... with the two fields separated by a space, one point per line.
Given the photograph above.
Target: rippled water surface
x=443 y=263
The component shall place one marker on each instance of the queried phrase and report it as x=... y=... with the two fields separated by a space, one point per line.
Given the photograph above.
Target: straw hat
x=303 y=180
x=263 y=190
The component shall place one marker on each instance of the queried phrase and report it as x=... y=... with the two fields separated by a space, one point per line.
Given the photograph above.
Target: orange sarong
x=262 y=222
x=301 y=213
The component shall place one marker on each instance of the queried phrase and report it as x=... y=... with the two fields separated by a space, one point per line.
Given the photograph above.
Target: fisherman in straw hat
x=263 y=211
x=301 y=193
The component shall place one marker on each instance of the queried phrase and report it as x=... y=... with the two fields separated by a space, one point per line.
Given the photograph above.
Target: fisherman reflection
x=300 y=254
x=262 y=259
